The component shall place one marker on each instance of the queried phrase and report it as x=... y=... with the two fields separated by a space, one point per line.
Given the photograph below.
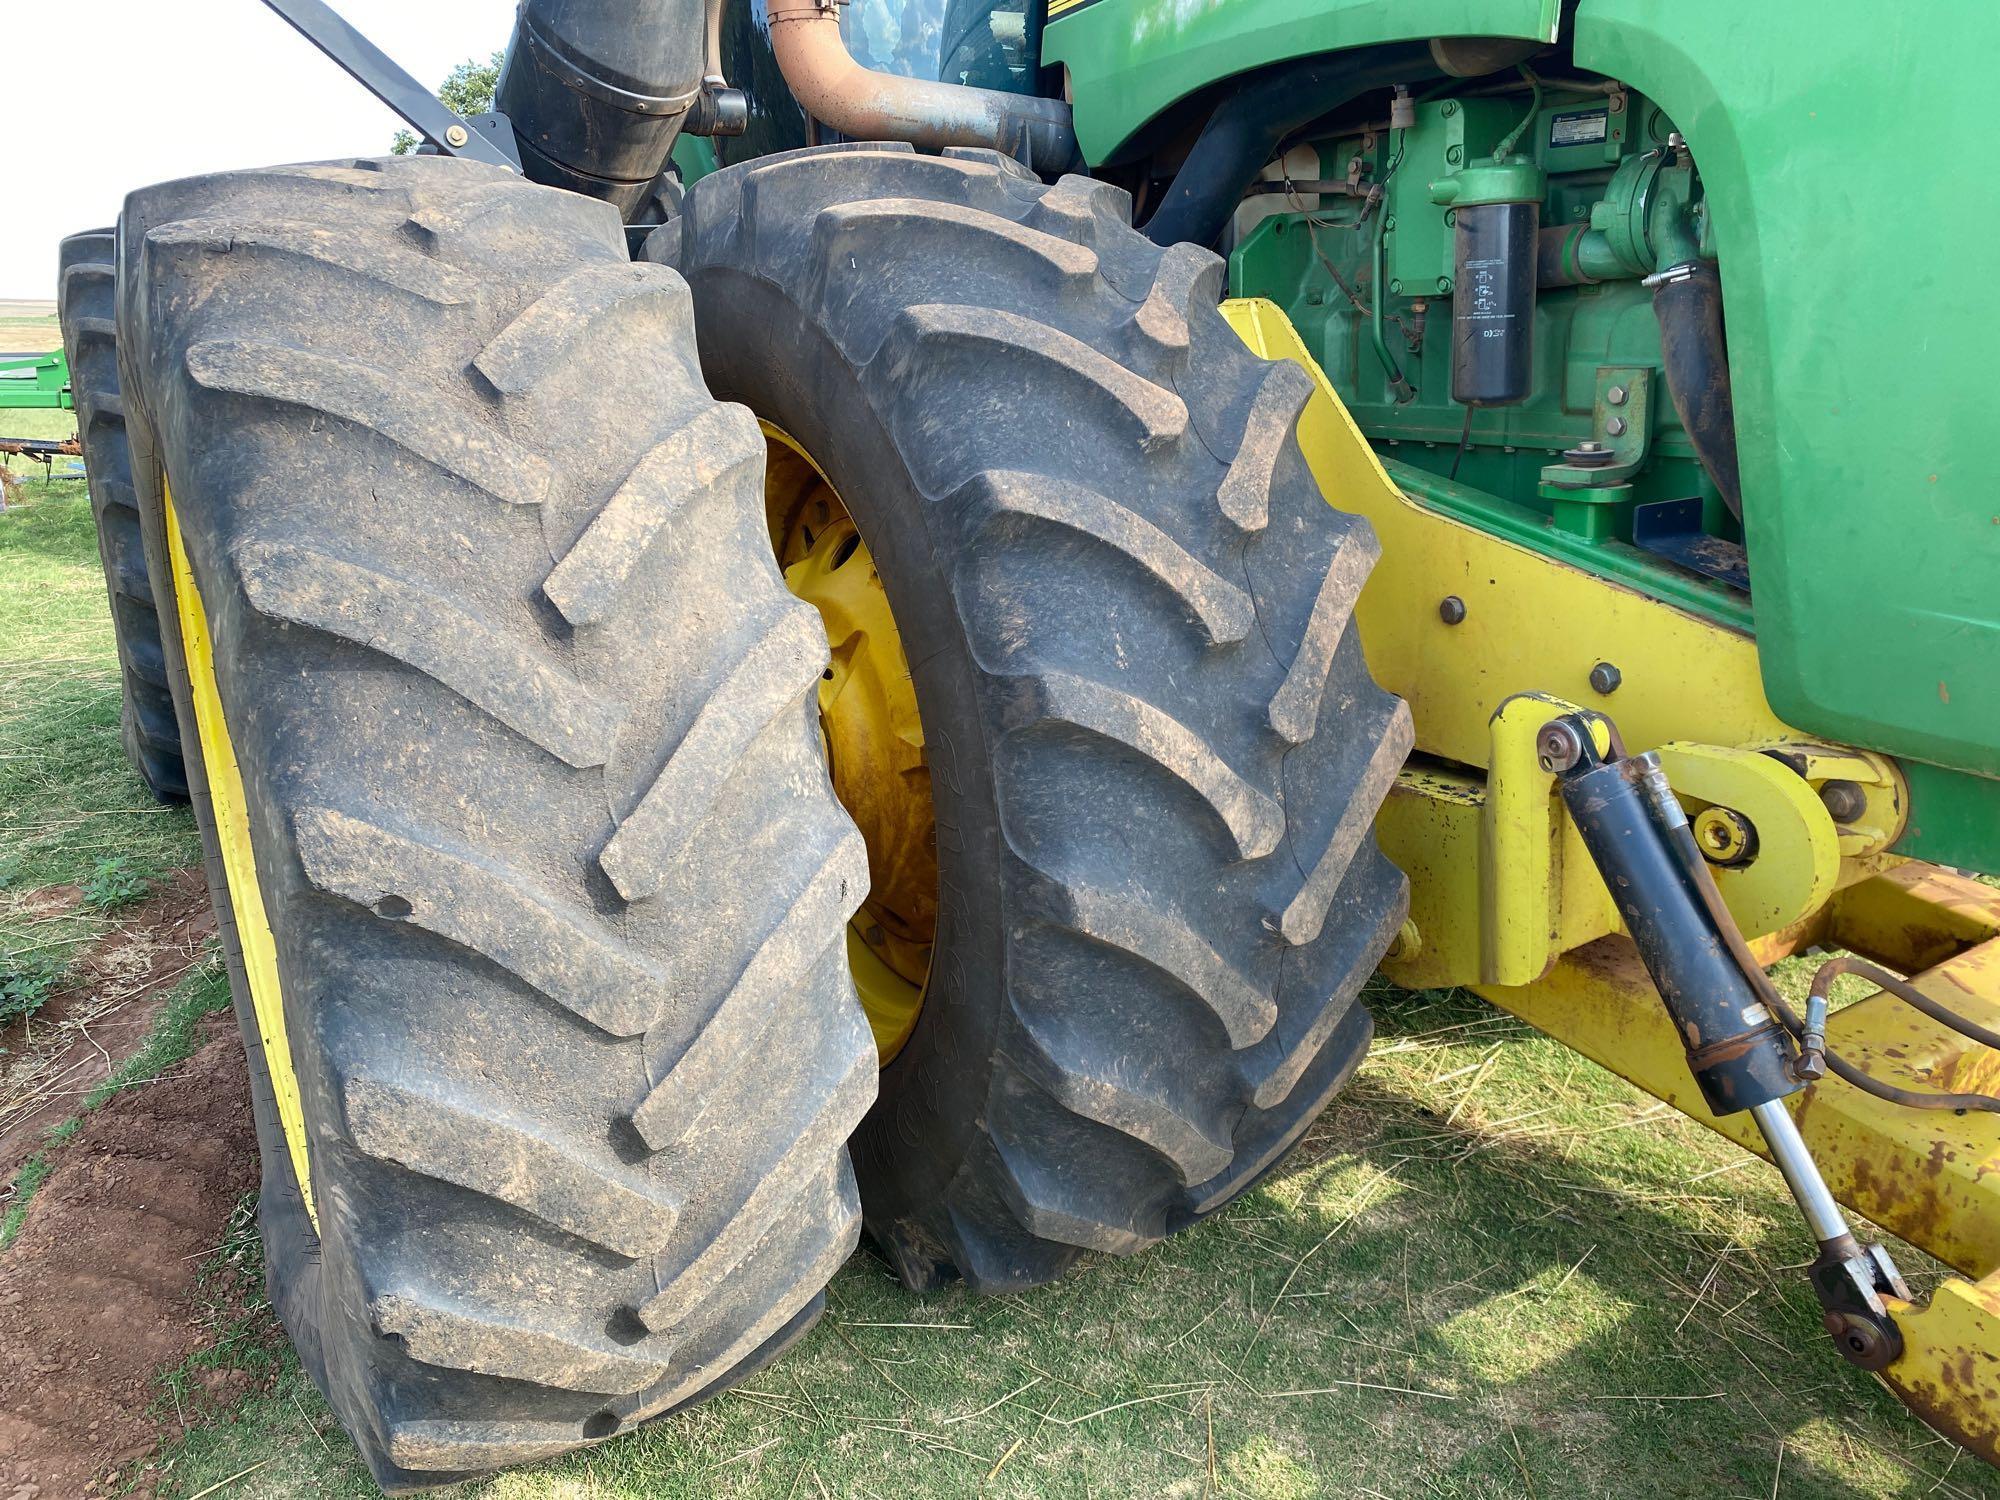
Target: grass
x=1491 y=1270
x=33 y=1173
x=229 y=1291
x=71 y=811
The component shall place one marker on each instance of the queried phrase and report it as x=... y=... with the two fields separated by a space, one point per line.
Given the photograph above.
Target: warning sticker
x=1583 y=127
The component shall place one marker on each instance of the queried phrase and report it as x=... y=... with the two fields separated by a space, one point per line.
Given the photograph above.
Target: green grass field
x=1492 y=1269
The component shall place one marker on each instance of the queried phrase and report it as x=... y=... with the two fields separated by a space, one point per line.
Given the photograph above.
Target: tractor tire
x=85 y=306
x=511 y=710
x=1156 y=753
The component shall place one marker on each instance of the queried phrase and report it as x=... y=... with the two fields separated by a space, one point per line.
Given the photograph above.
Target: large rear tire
x=85 y=306
x=1155 y=751
x=505 y=728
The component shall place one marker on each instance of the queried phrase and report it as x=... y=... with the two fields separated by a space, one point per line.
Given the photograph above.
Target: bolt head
x=1725 y=836
x=455 y=135
x=1615 y=426
x=1844 y=801
x=1451 y=609
x=1616 y=395
x=1605 y=678
x=1859 y=1341
x=1558 y=747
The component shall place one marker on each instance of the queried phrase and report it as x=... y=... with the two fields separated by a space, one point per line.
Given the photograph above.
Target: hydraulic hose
x=1254 y=117
x=1739 y=951
x=1687 y=300
x=1903 y=990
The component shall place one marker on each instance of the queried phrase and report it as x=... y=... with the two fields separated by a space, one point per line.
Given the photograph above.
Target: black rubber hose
x=1902 y=989
x=597 y=90
x=1259 y=112
x=1690 y=312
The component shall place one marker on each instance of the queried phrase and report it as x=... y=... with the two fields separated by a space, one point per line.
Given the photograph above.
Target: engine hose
x=1687 y=300
x=1250 y=122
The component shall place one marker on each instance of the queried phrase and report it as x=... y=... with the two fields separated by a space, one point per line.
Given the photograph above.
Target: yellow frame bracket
x=1474 y=823
x=1526 y=842
x=1796 y=862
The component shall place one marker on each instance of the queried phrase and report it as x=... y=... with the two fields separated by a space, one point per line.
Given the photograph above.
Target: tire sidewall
x=776 y=360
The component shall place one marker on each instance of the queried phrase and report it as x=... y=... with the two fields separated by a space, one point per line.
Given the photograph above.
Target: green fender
x=1862 y=304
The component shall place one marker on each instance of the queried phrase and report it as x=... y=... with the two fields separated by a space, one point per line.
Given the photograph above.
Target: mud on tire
x=1156 y=753
x=553 y=868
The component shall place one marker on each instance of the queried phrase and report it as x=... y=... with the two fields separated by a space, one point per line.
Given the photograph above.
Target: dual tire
x=1156 y=753
x=479 y=649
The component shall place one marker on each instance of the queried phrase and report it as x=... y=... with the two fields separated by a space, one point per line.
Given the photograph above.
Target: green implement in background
x=35 y=381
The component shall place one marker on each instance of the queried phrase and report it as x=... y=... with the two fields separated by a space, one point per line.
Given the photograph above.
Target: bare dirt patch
x=97 y=1295
x=104 y=1010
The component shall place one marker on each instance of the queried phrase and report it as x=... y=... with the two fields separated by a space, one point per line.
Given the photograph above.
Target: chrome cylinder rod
x=1789 y=1153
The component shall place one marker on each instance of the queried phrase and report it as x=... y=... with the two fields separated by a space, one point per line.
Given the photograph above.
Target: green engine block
x=1621 y=201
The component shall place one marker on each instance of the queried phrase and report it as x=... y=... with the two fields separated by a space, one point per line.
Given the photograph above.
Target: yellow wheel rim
x=230 y=810
x=873 y=736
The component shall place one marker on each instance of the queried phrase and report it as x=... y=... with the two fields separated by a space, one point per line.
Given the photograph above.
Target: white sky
x=102 y=96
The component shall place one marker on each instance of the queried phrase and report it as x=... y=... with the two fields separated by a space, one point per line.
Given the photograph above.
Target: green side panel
x=1954 y=818
x=1861 y=348
x=1130 y=59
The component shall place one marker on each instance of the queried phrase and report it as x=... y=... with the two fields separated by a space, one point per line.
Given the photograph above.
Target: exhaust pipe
x=864 y=105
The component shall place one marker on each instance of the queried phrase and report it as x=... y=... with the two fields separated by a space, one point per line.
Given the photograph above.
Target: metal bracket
x=489 y=138
x=1850 y=1281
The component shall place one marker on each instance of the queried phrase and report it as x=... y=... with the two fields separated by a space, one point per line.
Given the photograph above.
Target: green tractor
x=872 y=618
